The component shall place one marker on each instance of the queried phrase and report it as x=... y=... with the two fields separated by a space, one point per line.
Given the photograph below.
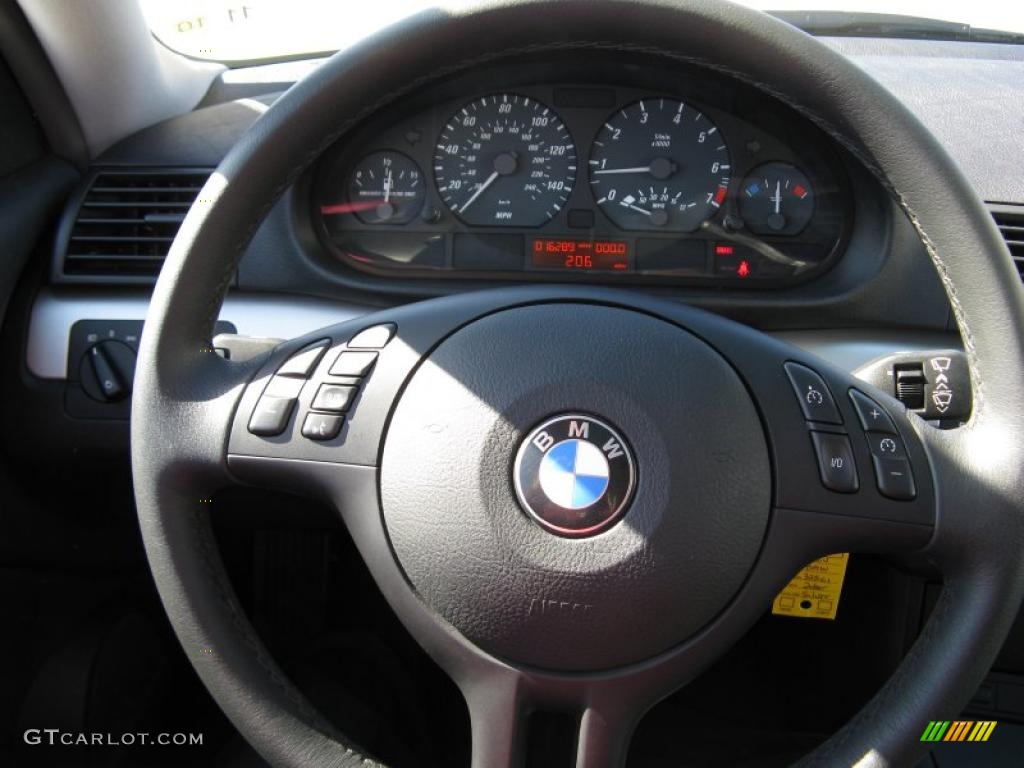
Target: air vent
x=124 y=223
x=1010 y=220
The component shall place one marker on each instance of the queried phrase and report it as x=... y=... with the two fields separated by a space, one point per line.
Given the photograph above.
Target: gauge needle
x=636 y=208
x=778 y=196
x=328 y=210
x=638 y=169
x=479 y=191
x=387 y=186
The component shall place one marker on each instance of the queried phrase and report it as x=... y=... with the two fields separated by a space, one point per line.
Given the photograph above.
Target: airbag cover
x=664 y=570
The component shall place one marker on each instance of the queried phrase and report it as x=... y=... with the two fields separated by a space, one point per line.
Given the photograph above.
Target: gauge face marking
x=505 y=160
x=776 y=199
x=659 y=164
x=384 y=188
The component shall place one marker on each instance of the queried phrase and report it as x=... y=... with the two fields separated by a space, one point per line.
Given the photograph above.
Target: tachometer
x=659 y=164
x=505 y=160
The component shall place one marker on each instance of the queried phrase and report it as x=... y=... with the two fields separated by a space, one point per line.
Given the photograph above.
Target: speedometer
x=659 y=164
x=505 y=160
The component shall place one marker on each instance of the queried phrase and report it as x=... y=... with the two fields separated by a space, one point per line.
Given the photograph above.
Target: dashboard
x=618 y=172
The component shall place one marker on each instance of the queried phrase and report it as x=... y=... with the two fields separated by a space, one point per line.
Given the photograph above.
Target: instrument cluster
x=694 y=183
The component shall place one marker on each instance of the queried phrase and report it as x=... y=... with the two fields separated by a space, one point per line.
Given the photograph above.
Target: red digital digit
x=556 y=253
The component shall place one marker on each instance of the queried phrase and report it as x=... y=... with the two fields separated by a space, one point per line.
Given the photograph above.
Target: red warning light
x=743 y=270
x=724 y=250
x=800 y=191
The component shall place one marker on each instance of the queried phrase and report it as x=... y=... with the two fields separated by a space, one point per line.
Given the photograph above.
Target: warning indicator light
x=743 y=270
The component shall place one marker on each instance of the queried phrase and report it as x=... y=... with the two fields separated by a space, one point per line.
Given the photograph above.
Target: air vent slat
x=135 y=204
x=115 y=256
x=1010 y=221
x=115 y=221
x=117 y=239
x=142 y=190
x=126 y=222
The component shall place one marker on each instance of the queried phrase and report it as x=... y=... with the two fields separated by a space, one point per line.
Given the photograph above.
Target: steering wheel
x=701 y=437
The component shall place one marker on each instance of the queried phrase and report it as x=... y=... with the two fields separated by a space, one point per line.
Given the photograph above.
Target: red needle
x=350 y=207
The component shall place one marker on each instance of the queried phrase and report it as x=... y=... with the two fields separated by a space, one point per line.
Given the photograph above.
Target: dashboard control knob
x=107 y=370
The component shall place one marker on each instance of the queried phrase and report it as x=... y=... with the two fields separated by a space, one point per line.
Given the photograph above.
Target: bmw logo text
x=574 y=475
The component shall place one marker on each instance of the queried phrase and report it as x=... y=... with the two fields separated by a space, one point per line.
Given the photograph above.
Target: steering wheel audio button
x=835 y=462
x=894 y=478
x=271 y=415
x=872 y=416
x=812 y=393
x=886 y=446
x=303 y=362
x=333 y=397
x=353 y=363
x=322 y=426
x=284 y=387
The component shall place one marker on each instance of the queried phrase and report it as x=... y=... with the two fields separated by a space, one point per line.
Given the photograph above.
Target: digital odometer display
x=582 y=255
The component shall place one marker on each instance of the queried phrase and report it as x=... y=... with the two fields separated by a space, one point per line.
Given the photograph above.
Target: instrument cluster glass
x=588 y=181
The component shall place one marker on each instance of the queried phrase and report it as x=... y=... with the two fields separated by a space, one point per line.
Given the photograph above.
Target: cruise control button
x=353 y=363
x=886 y=446
x=894 y=478
x=271 y=414
x=816 y=401
x=835 y=462
x=374 y=337
x=303 y=362
x=322 y=426
x=333 y=397
x=872 y=416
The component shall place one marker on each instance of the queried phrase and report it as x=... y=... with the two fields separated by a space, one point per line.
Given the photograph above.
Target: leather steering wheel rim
x=181 y=391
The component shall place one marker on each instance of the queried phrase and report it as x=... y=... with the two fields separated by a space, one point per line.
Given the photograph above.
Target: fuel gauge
x=384 y=188
x=776 y=199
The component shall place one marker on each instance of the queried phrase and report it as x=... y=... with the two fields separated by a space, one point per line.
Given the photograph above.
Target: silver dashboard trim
x=55 y=311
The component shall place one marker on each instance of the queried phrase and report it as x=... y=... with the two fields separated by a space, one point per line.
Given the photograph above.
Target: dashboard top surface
x=947 y=84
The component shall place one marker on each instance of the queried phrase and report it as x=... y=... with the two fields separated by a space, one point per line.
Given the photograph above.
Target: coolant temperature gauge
x=776 y=199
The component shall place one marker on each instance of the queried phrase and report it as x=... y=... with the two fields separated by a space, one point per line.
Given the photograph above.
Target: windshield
x=262 y=30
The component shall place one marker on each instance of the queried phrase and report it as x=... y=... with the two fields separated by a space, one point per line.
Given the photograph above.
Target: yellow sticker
x=814 y=592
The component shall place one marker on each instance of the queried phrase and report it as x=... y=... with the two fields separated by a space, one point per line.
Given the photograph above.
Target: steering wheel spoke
x=606 y=729
x=505 y=705
x=498 y=716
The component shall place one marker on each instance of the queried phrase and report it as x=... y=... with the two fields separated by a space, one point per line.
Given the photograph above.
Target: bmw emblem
x=574 y=475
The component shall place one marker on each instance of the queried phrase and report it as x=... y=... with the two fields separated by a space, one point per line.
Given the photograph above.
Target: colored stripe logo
x=958 y=730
